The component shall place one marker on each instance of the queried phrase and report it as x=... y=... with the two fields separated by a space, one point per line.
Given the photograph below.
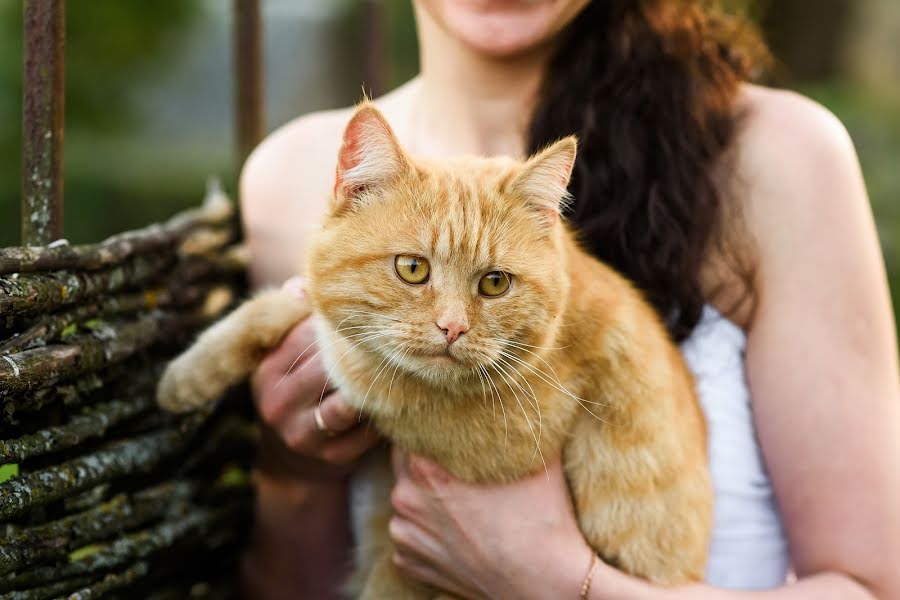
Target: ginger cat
x=462 y=318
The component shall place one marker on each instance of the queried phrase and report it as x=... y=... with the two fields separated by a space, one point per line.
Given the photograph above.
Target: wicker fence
x=105 y=492
x=102 y=494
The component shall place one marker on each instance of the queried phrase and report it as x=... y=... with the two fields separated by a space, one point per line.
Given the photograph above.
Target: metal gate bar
x=43 y=119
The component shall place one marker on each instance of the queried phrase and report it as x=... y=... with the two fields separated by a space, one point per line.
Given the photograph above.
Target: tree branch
x=140 y=454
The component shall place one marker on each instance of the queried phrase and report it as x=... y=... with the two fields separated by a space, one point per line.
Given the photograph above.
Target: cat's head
x=441 y=268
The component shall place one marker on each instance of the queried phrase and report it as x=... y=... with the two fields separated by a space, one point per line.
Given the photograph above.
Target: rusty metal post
x=249 y=118
x=373 y=58
x=43 y=120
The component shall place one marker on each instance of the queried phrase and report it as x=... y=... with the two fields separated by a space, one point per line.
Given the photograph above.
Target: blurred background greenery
x=149 y=93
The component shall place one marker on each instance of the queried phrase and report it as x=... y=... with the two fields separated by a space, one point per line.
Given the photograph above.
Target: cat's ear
x=370 y=157
x=544 y=180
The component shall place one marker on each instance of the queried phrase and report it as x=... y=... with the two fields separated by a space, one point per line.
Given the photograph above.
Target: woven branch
x=46 y=592
x=126 y=549
x=140 y=454
x=111 y=582
x=76 y=328
x=54 y=540
x=92 y=423
x=37 y=293
x=127 y=379
x=48 y=328
x=216 y=210
x=72 y=393
x=111 y=343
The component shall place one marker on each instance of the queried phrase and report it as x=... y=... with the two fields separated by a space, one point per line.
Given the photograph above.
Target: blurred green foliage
x=111 y=45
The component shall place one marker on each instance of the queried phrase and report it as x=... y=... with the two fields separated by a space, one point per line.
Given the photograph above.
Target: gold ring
x=320 y=421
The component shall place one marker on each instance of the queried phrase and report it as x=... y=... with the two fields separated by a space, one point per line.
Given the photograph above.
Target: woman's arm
x=822 y=353
x=823 y=370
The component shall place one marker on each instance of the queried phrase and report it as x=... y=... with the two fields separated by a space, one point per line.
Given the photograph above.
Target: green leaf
x=70 y=330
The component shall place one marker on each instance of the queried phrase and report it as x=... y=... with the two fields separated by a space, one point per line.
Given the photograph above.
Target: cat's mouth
x=446 y=356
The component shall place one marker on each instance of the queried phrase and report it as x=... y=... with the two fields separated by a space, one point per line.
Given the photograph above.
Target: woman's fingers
x=419 y=570
x=346 y=449
x=293 y=399
x=297 y=348
x=304 y=432
x=337 y=415
x=290 y=378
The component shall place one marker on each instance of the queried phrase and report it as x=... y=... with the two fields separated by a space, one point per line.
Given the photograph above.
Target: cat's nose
x=452 y=328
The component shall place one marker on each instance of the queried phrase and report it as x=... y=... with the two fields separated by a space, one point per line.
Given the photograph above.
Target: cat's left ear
x=370 y=158
x=544 y=179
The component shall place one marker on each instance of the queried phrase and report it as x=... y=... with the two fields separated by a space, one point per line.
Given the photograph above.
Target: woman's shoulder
x=795 y=178
x=801 y=188
x=292 y=169
x=795 y=162
x=785 y=132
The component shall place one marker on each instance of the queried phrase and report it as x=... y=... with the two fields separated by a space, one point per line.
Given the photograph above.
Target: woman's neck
x=469 y=103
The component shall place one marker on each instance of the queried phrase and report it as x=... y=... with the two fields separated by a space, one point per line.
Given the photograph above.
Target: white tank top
x=749 y=550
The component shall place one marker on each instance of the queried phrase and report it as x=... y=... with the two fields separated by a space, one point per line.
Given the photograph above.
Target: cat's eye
x=412 y=269
x=494 y=284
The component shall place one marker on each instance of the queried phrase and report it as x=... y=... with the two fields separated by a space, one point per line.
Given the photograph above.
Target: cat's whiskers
x=534 y=401
x=369 y=327
x=525 y=414
x=369 y=337
x=557 y=385
x=371 y=314
x=342 y=322
x=507 y=367
x=311 y=344
x=543 y=374
x=397 y=363
x=531 y=393
x=382 y=366
x=552 y=380
x=495 y=391
x=483 y=391
x=524 y=345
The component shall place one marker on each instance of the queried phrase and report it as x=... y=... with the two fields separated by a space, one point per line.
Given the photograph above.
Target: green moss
x=234 y=475
x=8 y=472
x=85 y=551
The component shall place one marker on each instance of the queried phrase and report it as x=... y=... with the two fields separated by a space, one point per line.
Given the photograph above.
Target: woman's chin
x=503 y=28
x=494 y=36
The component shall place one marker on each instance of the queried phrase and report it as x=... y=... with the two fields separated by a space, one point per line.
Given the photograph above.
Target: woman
x=718 y=198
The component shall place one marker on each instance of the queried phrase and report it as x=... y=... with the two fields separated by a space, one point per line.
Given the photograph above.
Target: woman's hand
x=289 y=388
x=517 y=540
x=301 y=540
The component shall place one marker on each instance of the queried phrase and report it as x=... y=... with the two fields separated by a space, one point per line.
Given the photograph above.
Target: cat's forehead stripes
x=462 y=222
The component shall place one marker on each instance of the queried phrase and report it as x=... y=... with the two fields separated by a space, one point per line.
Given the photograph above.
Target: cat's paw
x=182 y=388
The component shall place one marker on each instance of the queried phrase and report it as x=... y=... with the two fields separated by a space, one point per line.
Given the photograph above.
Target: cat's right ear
x=544 y=180
x=370 y=158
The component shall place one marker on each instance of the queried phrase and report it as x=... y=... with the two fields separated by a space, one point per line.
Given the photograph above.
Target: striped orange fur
x=570 y=359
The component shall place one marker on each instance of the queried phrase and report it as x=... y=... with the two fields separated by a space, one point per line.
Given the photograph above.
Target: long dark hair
x=649 y=87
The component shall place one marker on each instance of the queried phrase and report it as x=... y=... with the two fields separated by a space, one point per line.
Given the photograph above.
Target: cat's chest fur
x=479 y=430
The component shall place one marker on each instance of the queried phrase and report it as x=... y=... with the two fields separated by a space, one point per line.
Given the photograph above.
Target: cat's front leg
x=230 y=350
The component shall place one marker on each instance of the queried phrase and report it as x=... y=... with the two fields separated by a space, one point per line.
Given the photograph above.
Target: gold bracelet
x=586 y=586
